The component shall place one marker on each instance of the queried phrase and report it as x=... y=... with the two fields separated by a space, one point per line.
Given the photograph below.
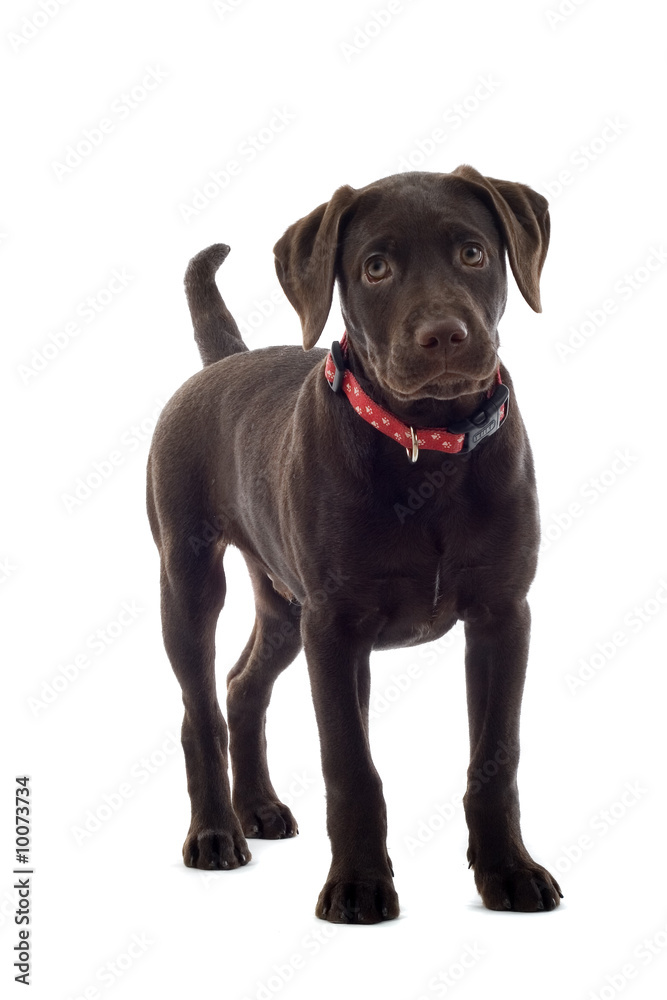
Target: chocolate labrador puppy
x=309 y=462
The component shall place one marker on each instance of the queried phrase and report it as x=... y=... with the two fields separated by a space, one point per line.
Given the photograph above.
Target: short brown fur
x=256 y=451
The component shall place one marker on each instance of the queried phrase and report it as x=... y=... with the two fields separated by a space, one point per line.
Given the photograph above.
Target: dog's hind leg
x=274 y=643
x=193 y=593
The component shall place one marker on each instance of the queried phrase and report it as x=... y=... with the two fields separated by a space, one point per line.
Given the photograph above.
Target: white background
x=360 y=100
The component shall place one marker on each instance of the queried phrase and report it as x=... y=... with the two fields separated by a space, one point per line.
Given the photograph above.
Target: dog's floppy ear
x=306 y=259
x=523 y=215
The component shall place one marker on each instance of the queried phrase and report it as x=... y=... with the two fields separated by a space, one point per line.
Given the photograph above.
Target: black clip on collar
x=339 y=362
x=484 y=422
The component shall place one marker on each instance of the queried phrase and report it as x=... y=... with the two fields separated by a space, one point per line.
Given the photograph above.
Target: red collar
x=461 y=436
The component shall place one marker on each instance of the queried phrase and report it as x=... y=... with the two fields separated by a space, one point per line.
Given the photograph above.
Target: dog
x=306 y=461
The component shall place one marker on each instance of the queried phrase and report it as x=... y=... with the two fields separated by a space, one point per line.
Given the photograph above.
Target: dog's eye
x=376 y=269
x=473 y=255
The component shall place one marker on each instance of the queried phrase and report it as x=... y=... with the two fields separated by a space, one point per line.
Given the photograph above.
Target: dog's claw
x=216 y=848
x=266 y=820
x=352 y=901
x=526 y=887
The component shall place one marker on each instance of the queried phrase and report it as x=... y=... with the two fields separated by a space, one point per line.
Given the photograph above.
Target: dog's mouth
x=444 y=386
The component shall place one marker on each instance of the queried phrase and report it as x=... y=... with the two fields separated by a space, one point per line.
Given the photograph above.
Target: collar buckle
x=485 y=421
x=339 y=364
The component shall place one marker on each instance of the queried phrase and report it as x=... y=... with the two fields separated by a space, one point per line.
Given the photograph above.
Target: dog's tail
x=216 y=333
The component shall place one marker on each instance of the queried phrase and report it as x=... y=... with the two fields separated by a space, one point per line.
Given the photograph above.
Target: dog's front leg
x=506 y=876
x=359 y=888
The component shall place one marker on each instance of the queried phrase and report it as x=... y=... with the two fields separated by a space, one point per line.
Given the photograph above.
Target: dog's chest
x=414 y=609
x=422 y=569
x=421 y=597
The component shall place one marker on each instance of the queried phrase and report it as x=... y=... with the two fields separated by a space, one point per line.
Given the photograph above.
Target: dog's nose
x=444 y=333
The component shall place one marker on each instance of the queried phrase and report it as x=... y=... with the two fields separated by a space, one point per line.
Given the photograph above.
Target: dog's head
x=420 y=264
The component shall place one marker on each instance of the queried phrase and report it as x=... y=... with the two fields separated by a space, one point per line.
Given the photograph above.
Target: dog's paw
x=220 y=848
x=266 y=820
x=527 y=887
x=358 y=900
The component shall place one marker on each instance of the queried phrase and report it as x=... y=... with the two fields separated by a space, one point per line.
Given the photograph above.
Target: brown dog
x=257 y=451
